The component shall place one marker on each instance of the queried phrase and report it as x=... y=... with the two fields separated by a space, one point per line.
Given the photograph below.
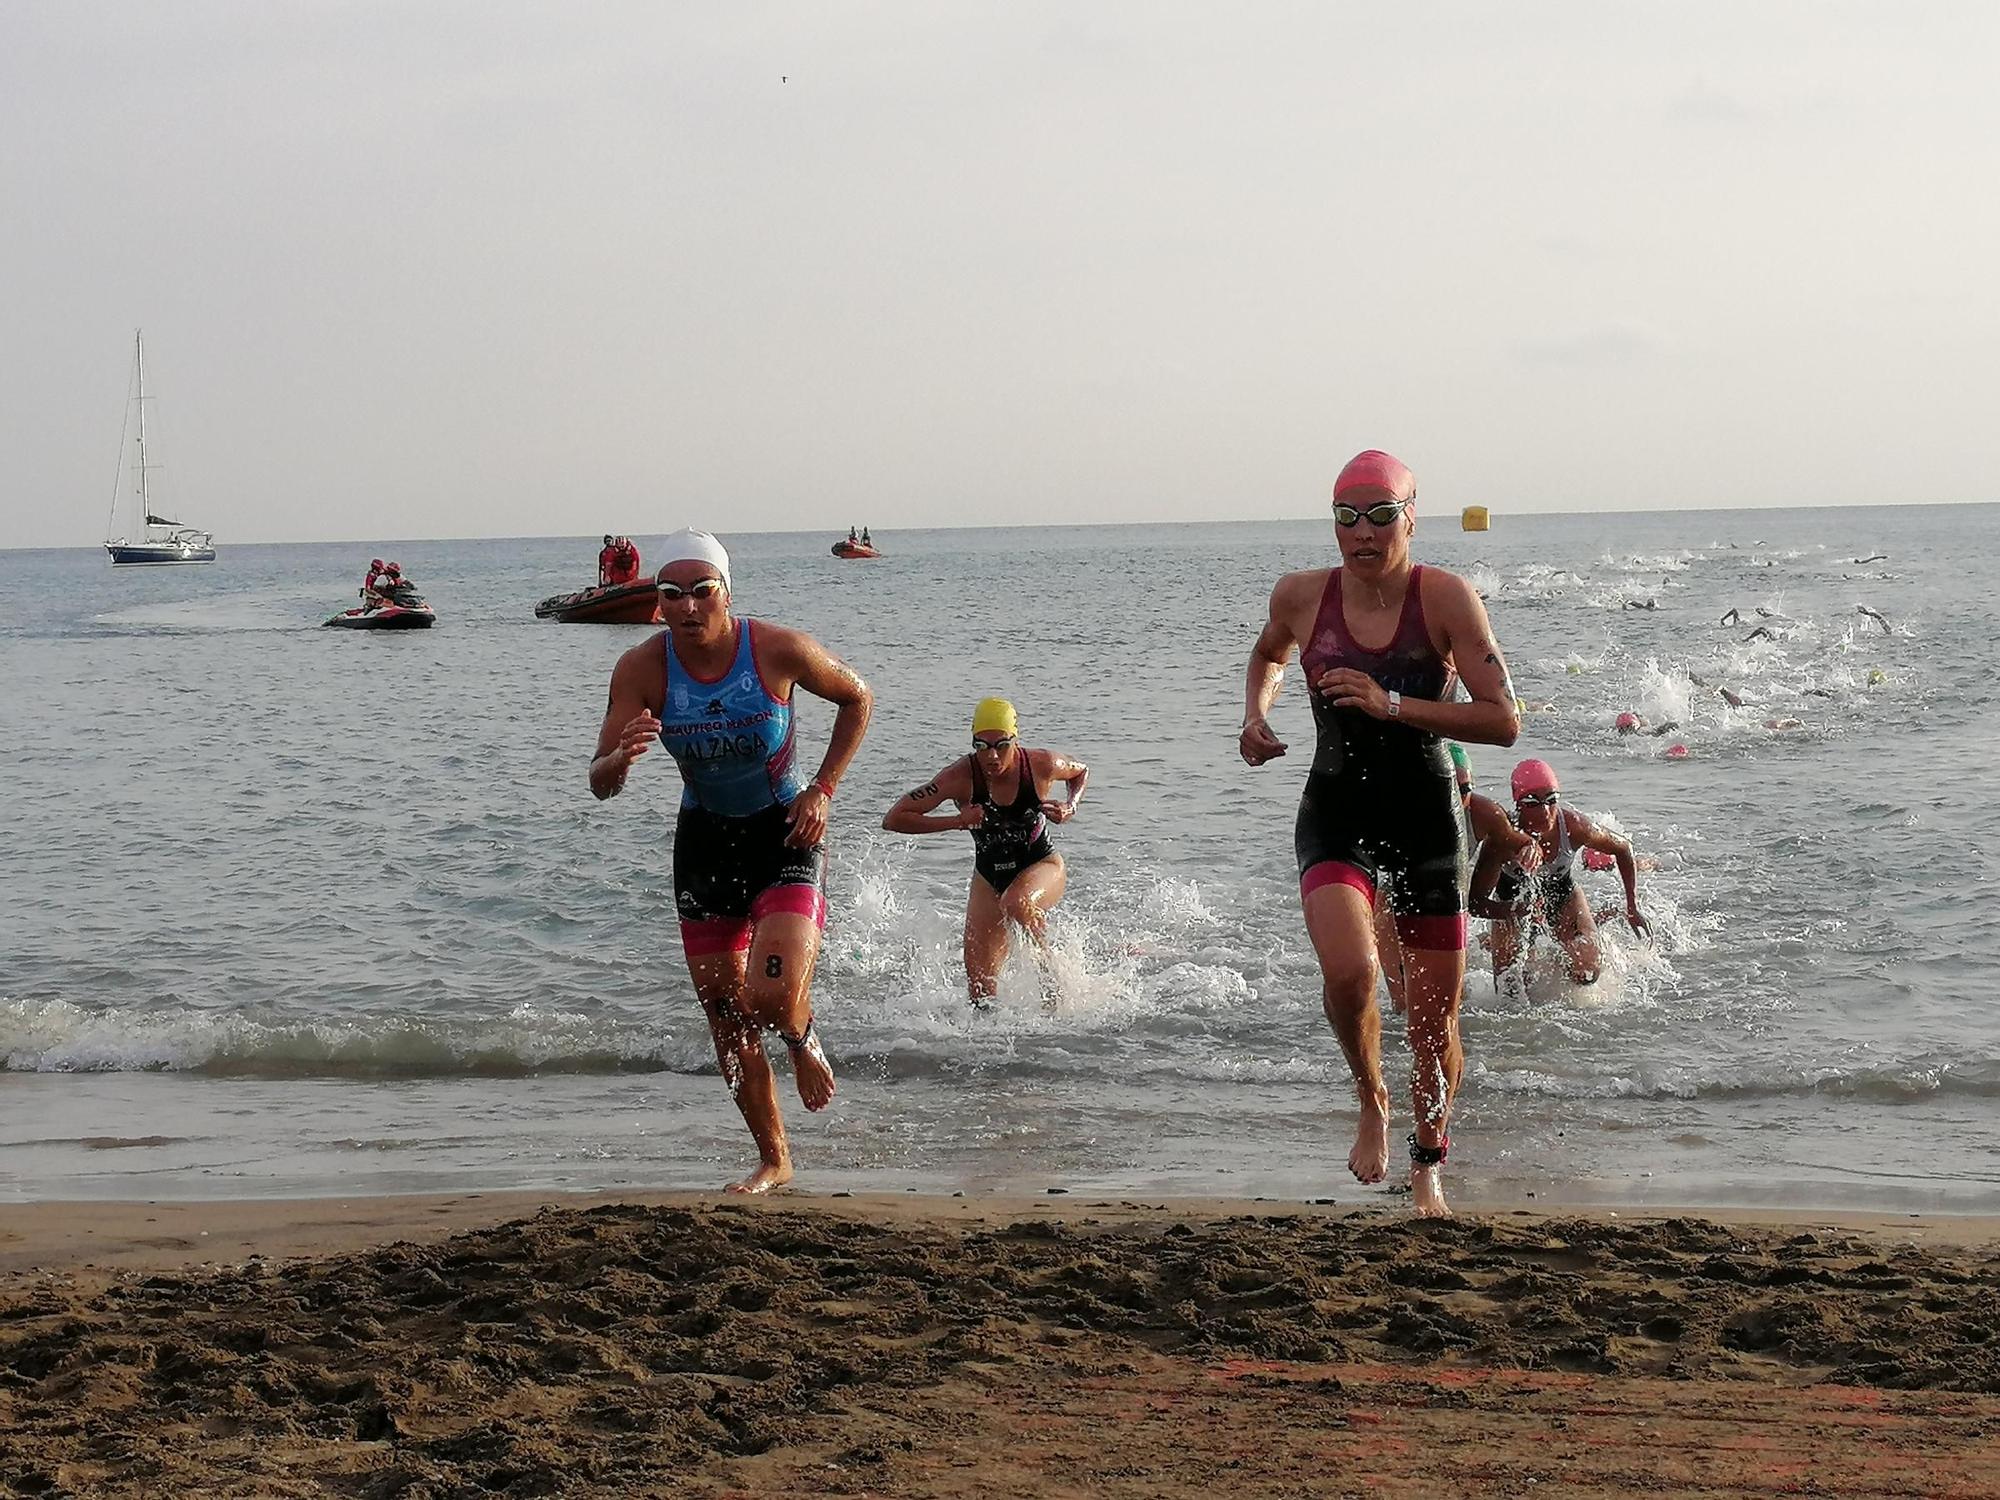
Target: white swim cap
x=688 y=545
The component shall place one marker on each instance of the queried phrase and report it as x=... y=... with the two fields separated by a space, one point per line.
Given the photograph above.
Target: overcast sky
x=434 y=269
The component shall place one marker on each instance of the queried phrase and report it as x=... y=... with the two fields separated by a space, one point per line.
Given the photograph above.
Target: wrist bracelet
x=825 y=786
x=1395 y=704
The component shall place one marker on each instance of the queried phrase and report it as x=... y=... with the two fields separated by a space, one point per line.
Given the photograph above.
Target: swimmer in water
x=1631 y=723
x=1874 y=615
x=1647 y=604
x=1733 y=617
x=1002 y=790
x=1516 y=896
x=716 y=690
x=1381 y=640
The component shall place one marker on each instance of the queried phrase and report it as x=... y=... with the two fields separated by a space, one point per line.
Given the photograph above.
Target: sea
x=291 y=911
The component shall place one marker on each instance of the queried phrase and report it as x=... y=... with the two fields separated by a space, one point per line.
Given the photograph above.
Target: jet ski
x=604 y=604
x=404 y=609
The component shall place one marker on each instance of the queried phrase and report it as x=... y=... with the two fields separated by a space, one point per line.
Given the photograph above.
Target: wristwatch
x=1395 y=704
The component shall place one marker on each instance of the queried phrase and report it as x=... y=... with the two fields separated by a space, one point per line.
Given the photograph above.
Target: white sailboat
x=160 y=540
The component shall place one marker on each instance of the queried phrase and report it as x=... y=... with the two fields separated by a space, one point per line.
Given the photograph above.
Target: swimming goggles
x=996 y=746
x=1537 y=799
x=701 y=588
x=1378 y=515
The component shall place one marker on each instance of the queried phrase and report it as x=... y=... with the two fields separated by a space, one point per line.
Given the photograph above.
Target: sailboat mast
x=139 y=361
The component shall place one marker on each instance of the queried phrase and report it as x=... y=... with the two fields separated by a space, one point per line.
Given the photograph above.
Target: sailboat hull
x=160 y=541
x=148 y=554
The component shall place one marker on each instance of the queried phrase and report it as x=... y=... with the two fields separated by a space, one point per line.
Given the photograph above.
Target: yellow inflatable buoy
x=1876 y=676
x=1472 y=518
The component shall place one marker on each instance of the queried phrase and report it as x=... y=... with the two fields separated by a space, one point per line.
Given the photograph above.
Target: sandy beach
x=1063 y=1345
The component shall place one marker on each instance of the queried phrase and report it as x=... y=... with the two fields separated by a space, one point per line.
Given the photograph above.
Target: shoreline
x=62 y=1236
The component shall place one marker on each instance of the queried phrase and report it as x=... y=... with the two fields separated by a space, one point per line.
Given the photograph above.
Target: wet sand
x=1067 y=1345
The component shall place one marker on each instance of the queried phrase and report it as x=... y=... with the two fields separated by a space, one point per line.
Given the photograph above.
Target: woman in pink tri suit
x=1383 y=643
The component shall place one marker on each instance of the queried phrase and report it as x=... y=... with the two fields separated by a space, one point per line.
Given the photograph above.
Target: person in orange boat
x=624 y=567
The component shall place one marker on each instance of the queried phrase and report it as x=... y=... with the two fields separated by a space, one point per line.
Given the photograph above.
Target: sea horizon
x=1497 y=515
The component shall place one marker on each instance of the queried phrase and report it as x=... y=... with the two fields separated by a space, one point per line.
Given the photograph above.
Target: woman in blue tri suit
x=716 y=691
x=1383 y=643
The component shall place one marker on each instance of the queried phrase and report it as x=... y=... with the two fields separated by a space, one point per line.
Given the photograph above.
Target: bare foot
x=810 y=1069
x=1427 y=1193
x=1369 y=1160
x=766 y=1177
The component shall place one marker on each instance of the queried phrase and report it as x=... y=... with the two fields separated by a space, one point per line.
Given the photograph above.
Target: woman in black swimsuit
x=1002 y=792
x=1384 y=642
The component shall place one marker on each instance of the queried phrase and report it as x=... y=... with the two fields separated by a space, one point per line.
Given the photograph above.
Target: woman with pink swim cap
x=1383 y=643
x=1545 y=891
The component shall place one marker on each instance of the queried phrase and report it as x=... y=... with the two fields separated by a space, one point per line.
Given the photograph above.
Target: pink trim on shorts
x=801 y=900
x=713 y=935
x=1438 y=934
x=1336 y=872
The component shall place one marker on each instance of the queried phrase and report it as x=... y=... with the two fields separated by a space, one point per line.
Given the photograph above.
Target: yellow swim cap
x=994 y=716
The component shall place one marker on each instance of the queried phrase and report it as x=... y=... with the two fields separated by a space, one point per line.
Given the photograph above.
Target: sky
x=423 y=268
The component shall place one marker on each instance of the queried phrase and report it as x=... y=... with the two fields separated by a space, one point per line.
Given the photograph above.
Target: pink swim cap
x=1534 y=776
x=1677 y=752
x=1597 y=859
x=1377 y=470
x=1625 y=721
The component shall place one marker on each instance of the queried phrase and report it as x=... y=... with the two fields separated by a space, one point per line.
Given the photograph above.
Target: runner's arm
x=1485 y=875
x=1265 y=675
x=912 y=811
x=629 y=729
x=1590 y=836
x=1073 y=773
x=811 y=666
x=1491 y=823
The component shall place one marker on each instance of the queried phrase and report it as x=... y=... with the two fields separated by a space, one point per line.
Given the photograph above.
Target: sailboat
x=161 y=540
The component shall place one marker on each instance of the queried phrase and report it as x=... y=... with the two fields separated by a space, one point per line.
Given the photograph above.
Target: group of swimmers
x=1383 y=839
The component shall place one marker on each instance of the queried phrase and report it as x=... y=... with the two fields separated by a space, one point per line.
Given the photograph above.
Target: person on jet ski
x=395 y=588
x=368 y=584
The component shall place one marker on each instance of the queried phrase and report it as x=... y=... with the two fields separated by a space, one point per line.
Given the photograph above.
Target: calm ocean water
x=293 y=911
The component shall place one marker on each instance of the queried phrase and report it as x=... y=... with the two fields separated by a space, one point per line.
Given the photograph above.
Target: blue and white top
x=730 y=735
